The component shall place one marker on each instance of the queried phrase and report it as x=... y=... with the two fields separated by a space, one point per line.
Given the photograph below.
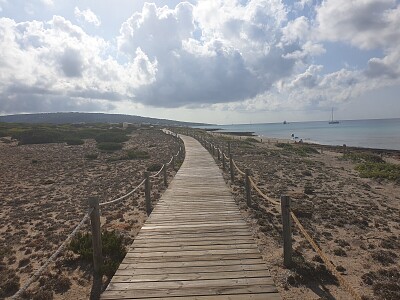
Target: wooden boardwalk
x=195 y=244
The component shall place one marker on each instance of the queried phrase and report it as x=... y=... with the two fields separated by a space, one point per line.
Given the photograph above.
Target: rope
x=327 y=262
x=226 y=157
x=168 y=163
x=52 y=258
x=313 y=244
x=158 y=173
x=237 y=168
x=261 y=193
x=124 y=196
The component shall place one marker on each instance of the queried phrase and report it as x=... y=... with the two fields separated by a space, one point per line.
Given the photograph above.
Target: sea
x=376 y=133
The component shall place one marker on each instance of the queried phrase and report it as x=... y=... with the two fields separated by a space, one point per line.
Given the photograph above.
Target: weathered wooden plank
x=195 y=244
x=140 y=264
x=185 y=292
x=134 y=270
x=122 y=278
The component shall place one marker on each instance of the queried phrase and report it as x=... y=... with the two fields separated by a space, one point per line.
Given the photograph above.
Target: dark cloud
x=71 y=63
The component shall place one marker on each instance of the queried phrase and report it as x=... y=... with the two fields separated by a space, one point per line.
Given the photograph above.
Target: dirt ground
x=44 y=190
x=356 y=221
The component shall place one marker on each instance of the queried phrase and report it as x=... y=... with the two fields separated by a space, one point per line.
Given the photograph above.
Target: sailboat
x=332 y=121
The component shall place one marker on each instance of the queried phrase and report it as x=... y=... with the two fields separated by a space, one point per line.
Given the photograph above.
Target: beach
x=354 y=220
x=44 y=194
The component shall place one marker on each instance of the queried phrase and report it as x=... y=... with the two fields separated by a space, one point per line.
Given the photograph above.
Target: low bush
x=91 y=156
x=154 y=167
x=109 y=146
x=379 y=170
x=75 y=141
x=137 y=154
x=111 y=137
x=362 y=157
x=252 y=140
x=113 y=249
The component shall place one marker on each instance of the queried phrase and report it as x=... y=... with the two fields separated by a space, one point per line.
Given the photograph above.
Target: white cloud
x=217 y=51
x=56 y=60
x=87 y=16
x=365 y=24
x=48 y=2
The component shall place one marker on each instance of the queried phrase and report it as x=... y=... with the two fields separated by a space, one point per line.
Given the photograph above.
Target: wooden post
x=173 y=162
x=344 y=149
x=96 y=236
x=213 y=150
x=231 y=167
x=248 y=188
x=165 y=175
x=219 y=154
x=223 y=161
x=147 y=192
x=229 y=148
x=287 y=231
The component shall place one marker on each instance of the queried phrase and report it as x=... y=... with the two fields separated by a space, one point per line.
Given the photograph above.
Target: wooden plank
x=191 y=263
x=195 y=244
x=185 y=292
x=133 y=270
x=192 y=276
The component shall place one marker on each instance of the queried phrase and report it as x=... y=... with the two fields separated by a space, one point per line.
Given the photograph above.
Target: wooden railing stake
x=248 y=188
x=173 y=162
x=96 y=236
x=287 y=231
x=231 y=167
x=219 y=154
x=223 y=161
x=229 y=148
x=165 y=175
x=147 y=192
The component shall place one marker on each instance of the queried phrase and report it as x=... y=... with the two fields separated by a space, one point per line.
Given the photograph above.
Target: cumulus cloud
x=366 y=24
x=87 y=16
x=217 y=51
x=223 y=54
x=57 y=60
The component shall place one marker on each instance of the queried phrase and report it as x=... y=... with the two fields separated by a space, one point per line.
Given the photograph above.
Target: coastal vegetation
x=113 y=246
x=370 y=165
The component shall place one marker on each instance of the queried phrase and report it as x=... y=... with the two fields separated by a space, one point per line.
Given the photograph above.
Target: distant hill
x=75 y=117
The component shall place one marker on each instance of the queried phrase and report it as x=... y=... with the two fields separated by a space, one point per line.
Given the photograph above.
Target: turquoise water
x=382 y=133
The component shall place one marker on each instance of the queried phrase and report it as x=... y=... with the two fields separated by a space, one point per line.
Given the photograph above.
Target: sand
x=356 y=221
x=44 y=191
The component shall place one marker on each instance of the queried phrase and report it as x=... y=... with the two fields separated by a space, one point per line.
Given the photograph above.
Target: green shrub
x=154 y=167
x=285 y=146
x=75 y=141
x=37 y=136
x=91 y=156
x=379 y=170
x=138 y=154
x=113 y=249
x=108 y=146
x=252 y=140
x=111 y=137
x=364 y=157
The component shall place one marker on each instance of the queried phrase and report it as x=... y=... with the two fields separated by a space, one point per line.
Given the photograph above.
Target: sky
x=213 y=61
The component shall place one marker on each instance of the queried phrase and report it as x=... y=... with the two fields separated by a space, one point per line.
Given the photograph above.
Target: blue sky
x=217 y=61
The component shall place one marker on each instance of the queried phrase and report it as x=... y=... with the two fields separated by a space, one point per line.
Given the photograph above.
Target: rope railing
x=261 y=193
x=124 y=196
x=325 y=259
x=52 y=258
x=94 y=214
x=250 y=183
x=159 y=172
x=238 y=169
